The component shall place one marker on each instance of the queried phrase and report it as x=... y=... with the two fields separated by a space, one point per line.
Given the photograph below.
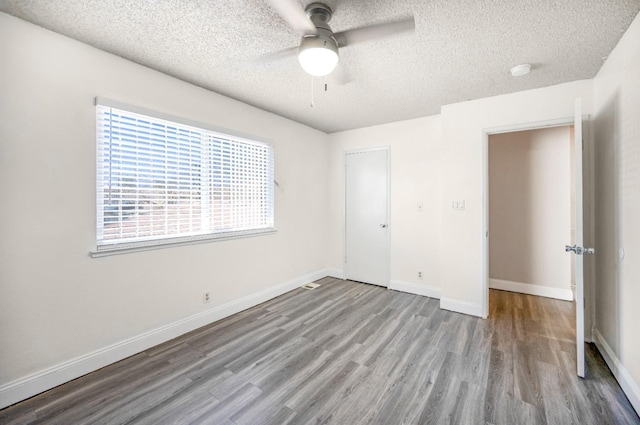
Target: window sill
x=108 y=250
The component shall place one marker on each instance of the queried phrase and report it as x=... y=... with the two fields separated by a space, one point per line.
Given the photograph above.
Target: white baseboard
x=415 y=288
x=44 y=380
x=526 y=288
x=337 y=273
x=459 y=306
x=627 y=383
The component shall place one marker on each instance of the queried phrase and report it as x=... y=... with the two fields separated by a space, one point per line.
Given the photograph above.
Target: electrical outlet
x=206 y=297
x=420 y=275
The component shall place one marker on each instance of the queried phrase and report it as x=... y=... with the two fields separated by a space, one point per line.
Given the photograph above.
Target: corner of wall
x=460 y=306
x=416 y=288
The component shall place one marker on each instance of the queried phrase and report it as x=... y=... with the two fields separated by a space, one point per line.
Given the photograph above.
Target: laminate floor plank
x=438 y=408
x=584 y=404
x=364 y=399
x=306 y=314
x=132 y=405
x=18 y=415
x=81 y=391
x=266 y=349
x=104 y=392
x=557 y=403
x=323 y=397
x=276 y=388
x=338 y=365
x=469 y=407
x=464 y=330
x=505 y=409
x=428 y=307
x=406 y=392
x=356 y=354
x=477 y=360
x=326 y=413
x=372 y=350
x=187 y=407
x=222 y=336
x=261 y=368
x=230 y=405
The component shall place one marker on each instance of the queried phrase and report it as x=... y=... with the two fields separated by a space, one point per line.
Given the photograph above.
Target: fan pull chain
x=312 y=92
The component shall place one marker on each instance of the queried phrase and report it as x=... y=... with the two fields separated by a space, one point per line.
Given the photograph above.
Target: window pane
x=159 y=179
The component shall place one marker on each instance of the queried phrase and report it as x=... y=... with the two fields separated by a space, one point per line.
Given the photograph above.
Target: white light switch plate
x=457 y=204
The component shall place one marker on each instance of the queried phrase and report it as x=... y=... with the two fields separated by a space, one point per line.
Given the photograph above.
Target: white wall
x=463 y=124
x=56 y=303
x=617 y=191
x=438 y=160
x=530 y=211
x=415 y=178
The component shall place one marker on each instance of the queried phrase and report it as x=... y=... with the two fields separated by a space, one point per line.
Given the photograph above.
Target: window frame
x=177 y=240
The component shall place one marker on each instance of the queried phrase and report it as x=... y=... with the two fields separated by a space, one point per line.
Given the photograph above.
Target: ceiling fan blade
x=294 y=15
x=374 y=32
x=276 y=56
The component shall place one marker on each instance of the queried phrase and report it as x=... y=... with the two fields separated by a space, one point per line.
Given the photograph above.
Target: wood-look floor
x=348 y=353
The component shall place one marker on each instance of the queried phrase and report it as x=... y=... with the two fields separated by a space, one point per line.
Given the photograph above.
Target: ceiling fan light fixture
x=318 y=56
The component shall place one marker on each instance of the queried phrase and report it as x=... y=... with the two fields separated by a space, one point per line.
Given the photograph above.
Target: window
x=160 y=181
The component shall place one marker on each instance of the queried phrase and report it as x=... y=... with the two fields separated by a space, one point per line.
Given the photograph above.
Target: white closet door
x=367 y=216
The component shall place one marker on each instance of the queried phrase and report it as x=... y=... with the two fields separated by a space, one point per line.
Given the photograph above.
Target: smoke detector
x=520 y=70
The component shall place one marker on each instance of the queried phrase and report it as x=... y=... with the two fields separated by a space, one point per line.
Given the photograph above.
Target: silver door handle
x=383 y=225
x=576 y=249
x=579 y=250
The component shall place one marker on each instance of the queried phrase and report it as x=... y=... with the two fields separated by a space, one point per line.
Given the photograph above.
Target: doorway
x=532 y=212
x=583 y=228
x=367 y=216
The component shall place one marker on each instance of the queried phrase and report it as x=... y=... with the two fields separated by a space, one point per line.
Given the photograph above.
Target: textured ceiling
x=461 y=49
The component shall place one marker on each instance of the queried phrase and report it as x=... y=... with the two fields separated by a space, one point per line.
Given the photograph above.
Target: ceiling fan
x=318 y=50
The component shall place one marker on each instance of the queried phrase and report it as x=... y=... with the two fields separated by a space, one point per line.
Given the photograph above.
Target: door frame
x=587 y=176
x=386 y=148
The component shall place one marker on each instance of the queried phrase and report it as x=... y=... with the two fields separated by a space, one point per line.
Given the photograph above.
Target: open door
x=578 y=248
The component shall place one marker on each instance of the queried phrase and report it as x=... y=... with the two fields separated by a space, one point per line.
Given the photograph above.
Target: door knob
x=579 y=250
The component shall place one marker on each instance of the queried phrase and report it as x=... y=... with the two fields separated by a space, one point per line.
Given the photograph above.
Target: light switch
x=457 y=205
x=420 y=206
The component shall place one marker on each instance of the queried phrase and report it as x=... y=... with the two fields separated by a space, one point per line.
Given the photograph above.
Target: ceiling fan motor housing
x=319 y=41
x=320 y=14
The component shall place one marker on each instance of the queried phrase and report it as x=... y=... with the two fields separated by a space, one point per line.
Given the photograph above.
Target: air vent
x=310 y=286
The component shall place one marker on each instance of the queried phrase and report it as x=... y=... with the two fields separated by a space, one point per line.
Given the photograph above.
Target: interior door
x=578 y=248
x=367 y=216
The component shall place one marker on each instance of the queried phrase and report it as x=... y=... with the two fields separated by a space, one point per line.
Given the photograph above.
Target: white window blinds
x=160 y=180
